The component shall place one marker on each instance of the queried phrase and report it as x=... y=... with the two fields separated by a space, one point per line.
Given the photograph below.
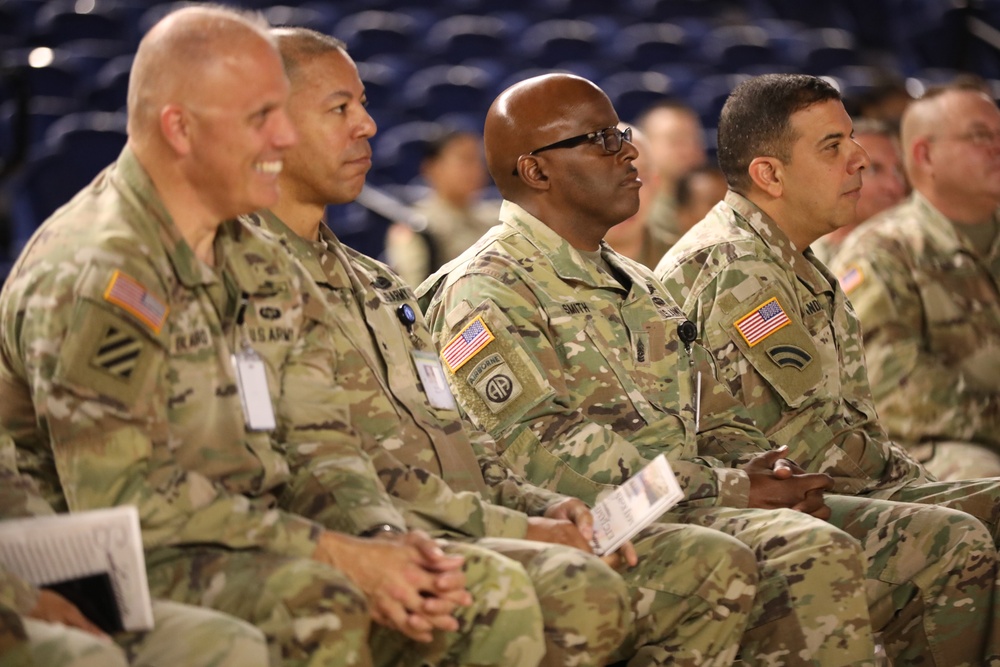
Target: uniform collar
x=157 y=223
x=804 y=263
x=567 y=261
x=941 y=230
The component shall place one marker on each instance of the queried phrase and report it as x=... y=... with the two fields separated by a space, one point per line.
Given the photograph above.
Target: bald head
x=940 y=109
x=534 y=113
x=182 y=55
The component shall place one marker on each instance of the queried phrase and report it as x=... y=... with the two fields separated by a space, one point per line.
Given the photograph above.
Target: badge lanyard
x=687 y=332
x=251 y=378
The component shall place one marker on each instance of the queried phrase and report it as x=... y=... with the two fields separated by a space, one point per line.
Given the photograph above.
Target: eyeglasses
x=979 y=138
x=610 y=138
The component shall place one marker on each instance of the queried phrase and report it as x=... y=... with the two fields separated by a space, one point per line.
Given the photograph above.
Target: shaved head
x=940 y=108
x=531 y=114
x=180 y=53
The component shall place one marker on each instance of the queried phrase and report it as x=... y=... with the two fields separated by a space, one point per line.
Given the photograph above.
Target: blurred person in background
x=677 y=144
x=884 y=183
x=697 y=192
x=456 y=216
x=923 y=279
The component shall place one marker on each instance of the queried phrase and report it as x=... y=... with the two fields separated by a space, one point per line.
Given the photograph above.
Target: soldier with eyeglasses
x=583 y=369
x=925 y=282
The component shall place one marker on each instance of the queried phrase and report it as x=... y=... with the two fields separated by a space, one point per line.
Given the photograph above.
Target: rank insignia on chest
x=851 y=279
x=127 y=293
x=464 y=346
x=762 y=321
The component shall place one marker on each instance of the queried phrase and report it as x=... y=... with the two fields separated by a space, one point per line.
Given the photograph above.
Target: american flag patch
x=851 y=279
x=474 y=337
x=762 y=321
x=126 y=292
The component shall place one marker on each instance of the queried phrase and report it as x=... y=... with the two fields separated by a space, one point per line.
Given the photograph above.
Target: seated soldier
x=156 y=352
x=586 y=371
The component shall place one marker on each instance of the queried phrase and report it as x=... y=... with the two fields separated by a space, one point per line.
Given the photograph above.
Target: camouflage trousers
x=313 y=616
x=810 y=608
x=931 y=579
x=692 y=594
x=583 y=601
x=183 y=635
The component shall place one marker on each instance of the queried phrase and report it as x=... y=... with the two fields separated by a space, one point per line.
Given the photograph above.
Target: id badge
x=435 y=383
x=251 y=380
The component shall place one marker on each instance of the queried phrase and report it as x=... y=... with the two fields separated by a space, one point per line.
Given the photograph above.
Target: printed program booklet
x=94 y=559
x=638 y=502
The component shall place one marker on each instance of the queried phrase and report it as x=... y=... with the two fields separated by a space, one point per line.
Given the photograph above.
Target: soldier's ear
x=767 y=173
x=920 y=152
x=175 y=128
x=532 y=173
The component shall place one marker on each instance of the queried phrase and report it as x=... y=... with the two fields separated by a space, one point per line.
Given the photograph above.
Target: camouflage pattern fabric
x=595 y=382
x=118 y=386
x=786 y=342
x=691 y=605
x=930 y=312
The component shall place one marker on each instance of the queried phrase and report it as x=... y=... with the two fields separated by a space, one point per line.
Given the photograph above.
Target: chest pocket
x=597 y=349
x=776 y=343
x=953 y=295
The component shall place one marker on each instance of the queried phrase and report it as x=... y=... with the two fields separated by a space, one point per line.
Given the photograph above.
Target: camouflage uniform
x=693 y=602
x=931 y=314
x=182 y=634
x=785 y=341
x=118 y=386
x=578 y=402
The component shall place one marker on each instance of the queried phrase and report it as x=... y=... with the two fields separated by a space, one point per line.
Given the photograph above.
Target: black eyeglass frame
x=622 y=135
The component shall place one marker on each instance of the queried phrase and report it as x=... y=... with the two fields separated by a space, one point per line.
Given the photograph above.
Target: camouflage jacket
x=428 y=458
x=118 y=383
x=787 y=344
x=930 y=308
x=580 y=379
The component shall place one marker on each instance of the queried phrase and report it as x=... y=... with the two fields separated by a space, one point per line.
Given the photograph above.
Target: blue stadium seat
x=399 y=150
x=61 y=21
x=556 y=41
x=732 y=48
x=373 y=33
x=643 y=46
x=42 y=113
x=709 y=95
x=631 y=92
x=824 y=49
x=109 y=91
x=432 y=92
x=458 y=39
x=81 y=146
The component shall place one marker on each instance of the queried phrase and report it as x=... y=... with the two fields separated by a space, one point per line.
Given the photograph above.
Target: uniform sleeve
x=540 y=432
x=507 y=488
x=97 y=379
x=919 y=396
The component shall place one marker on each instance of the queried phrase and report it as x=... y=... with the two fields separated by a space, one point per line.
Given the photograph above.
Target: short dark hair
x=297 y=45
x=755 y=120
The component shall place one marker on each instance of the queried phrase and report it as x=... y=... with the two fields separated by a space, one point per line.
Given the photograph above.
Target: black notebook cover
x=94 y=597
